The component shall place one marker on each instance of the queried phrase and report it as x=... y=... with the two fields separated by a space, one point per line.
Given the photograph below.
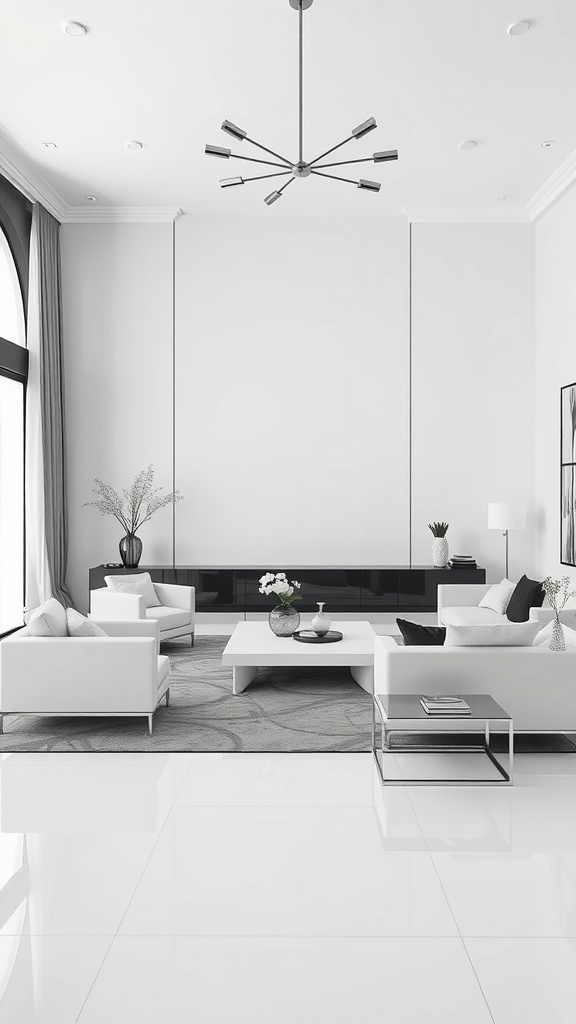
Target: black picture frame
x=568 y=474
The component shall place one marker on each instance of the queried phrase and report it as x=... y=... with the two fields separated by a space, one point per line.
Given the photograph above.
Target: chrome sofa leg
x=1 y=724
x=150 y=717
x=168 y=697
x=191 y=639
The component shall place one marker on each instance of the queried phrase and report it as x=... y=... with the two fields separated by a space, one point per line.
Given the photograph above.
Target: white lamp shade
x=502 y=516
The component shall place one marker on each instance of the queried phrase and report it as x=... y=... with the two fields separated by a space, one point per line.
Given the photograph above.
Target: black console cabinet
x=356 y=589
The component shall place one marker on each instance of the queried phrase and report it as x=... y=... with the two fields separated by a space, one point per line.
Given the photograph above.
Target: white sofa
x=117 y=675
x=536 y=686
x=175 y=614
x=458 y=606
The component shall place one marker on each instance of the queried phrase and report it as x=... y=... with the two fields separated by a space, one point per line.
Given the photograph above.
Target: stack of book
x=436 y=704
x=462 y=562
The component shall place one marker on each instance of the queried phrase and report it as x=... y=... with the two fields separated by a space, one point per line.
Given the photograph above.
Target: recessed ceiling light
x=518 y=28
x=548 y=144
x=50 y=145
x=91 y=199
x=467 y=144
x=74 y=28
x=504 y=197
x=134 y=144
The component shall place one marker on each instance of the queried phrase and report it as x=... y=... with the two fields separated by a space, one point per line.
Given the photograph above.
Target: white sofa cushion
x=79 y=625
x=510 y=634
x=169 y=618
x=498 y=596
x=163 y=668
x=470 y=615
x=136 y=583
x=48 y=620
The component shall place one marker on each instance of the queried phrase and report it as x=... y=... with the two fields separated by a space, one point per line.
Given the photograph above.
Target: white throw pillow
x=498 y=597
x=136 y=583
x=48 y=620
x=506 y=634
x=79 y=625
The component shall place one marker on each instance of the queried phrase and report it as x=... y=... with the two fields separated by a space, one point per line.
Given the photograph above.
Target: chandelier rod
x=254 y=160
x=260 y=177
x=341 y=163
x=349 y=139
x=334 y=177
x=286 y=162
x=300 y=61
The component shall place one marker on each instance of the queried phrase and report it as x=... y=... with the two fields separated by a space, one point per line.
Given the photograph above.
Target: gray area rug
x=283 y=711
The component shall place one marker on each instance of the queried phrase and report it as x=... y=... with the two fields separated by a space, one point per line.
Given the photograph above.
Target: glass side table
x=403 y=713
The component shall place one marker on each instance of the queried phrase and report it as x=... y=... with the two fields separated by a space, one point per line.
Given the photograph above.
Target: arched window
x=13 y=375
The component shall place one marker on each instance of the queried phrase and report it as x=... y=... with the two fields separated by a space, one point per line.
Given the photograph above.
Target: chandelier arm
x=341 y=163
x=254 y=160
x=286 y=183
x=300 y=61
x=260 y=177
x=334 y=177
x=328 y=151
x=287 y=163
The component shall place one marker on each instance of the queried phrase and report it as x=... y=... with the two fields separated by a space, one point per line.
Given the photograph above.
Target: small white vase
x=439 y=552
x=557 y=641
x=320 y=623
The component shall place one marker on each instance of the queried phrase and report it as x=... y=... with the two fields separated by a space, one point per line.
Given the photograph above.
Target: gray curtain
x=47 y=231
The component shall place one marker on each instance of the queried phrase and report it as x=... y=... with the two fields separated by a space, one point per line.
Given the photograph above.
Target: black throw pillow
x=527 y=594
x=414 y=634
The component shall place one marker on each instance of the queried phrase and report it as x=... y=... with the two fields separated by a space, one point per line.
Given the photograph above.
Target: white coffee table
x=253 y=644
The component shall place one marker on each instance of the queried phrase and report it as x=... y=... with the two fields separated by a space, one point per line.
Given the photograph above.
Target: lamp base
x=295 y=4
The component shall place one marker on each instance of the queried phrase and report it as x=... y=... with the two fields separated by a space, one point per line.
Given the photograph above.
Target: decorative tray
x=308 y=636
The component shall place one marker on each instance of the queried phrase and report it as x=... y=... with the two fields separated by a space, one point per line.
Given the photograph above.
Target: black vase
x=130 y=548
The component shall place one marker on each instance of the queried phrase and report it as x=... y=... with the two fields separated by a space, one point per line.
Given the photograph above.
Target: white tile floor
x=282 y=889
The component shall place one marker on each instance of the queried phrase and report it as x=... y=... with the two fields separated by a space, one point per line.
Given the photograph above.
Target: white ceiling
x=167 y=72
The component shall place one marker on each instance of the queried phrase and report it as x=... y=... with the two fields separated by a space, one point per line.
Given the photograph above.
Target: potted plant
x=439 y=544
x=284 y=619
x=558 y=593
x=132 y=509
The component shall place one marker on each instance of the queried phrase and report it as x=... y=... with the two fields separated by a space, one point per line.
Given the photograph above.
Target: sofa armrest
x=175 y=595
x=546 y=615
x=130 y=627
x=460 y=595
x=110 y=604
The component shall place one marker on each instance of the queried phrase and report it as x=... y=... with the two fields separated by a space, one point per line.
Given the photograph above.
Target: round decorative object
x=305 y=4
x=308 y=636
x=557 y=641
x=130 y=548
x=284 y=620
x=440 y=552
x=320 y=623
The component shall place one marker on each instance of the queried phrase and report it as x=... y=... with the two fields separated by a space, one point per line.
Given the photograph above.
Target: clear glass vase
x=557 y=641
x=284 y=620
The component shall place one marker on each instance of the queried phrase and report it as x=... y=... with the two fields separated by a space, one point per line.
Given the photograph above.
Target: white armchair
x=175 y=614
x=120 y=674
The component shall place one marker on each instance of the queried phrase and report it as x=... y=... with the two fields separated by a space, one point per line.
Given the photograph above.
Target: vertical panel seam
x=410 y=393
x=173 y=393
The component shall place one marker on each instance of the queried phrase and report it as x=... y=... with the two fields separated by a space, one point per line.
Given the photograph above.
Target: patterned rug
x=284 y=710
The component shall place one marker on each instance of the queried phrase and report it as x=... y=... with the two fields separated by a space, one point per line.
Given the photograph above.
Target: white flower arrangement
x=558 y=592
x=277 y=583
x=134 y=506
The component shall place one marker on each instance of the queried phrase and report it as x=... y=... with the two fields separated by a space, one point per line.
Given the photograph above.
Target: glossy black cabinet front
x=236 y=589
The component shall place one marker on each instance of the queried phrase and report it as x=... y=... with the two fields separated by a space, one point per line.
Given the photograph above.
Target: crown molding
x=16 y=166
x=556 y=184
x=120 y=214
x=469 y=215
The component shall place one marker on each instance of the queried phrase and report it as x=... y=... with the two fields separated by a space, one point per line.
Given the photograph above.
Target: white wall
x=555 y=366
x=472 y=386
x=293 y=401
x=292 y=390
x=117 y=303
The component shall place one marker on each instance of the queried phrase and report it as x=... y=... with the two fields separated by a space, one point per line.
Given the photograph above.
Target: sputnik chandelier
x=302 y=168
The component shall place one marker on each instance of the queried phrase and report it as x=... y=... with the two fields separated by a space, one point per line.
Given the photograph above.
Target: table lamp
x=505 y=517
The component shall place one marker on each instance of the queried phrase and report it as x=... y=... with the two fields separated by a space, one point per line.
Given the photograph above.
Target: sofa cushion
x=498 y=596
x=426 y=636
x=470 y=615
x=169 y=618
x=79 y=625
x=48 y=620
x=505 y=634
x=163 y=668
x=527 y=594
x=135 y=583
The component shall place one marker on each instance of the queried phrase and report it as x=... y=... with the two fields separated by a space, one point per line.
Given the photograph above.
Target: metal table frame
x=445 y=725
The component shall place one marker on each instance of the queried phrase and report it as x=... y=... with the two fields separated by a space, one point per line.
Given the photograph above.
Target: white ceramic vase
x=439 y=552
x=320 y=623
x=557 y=641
